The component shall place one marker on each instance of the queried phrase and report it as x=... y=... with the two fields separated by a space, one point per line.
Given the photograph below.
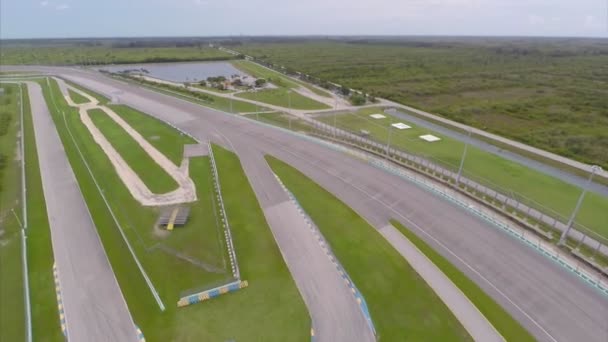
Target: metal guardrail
x=528 y=215
x=212 y=293
x=224 y=218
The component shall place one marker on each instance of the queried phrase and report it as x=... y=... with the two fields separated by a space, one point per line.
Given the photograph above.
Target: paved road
x=335 y=313
x=95 y=309
x=553 y=304
x=473 y=321
x=518 y=158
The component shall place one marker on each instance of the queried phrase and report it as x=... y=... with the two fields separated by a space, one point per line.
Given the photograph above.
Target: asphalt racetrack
x=551 y=303
x=94 y=307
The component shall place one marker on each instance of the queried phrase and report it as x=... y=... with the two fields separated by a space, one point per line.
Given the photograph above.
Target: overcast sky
x=108 y=18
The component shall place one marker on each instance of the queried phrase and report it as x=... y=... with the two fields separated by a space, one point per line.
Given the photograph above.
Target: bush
x=260 y=82
x=357 y=99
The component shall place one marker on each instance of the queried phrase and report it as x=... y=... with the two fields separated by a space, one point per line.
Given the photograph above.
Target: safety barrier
x=64 y=327
x=210 y=294
x=140 y=334
x=224 y=218
x=325 y=246
x=542 y=247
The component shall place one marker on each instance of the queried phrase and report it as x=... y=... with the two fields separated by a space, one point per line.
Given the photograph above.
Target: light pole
x=289 y=101
x=464 y=154
x=388 y=142
x=257 y=110
x=564 y=236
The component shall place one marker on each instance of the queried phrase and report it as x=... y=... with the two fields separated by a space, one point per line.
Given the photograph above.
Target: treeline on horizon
x=519 y=46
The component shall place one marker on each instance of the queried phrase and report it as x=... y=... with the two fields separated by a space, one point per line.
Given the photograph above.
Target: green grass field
x=549 y=93
x=100 y=98
x=45 y=315
x=279 y=97
x=156 y=132
x=497 y=172
x=274 y=77
x=155 y=178
x=508 y=327
x=77 y=98
x=200 y=240
x=12 y=308
x=401 y=304
x=71 y=55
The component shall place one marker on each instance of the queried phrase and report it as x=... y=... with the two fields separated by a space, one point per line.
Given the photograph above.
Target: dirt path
x=186 y=192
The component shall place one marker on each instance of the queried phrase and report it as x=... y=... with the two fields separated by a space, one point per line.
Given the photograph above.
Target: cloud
x=62 y=7
x=201 y=2
x=536 y=20
x=44 y=3
x=592 y=23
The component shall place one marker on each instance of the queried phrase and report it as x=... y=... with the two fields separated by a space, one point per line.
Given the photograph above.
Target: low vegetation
x=549 y=93
x=98 y=55
x=402 y=306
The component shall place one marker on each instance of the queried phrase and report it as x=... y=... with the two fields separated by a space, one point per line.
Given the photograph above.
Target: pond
x=182 y=72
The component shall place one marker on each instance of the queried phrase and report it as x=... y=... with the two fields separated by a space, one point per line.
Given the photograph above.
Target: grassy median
x=12 y=308
x=508 y=327
x=187 y=259
x=156 y=132
x=45 y=314
x=153 y=176
x=402 y=306
x=77 y=98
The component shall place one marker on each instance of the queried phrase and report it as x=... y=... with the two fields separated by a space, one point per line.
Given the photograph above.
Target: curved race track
x=550 y=302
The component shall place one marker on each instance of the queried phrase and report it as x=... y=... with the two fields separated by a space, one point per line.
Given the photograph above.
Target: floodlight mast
x=289 y=101
x=594 y=169
x=464 y=154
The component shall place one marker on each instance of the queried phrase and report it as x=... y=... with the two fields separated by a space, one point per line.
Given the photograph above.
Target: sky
x=129 y=18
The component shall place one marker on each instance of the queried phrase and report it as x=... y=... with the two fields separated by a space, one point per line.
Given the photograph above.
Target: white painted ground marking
x=400 y=125
x=429 y=138
x=377 y=116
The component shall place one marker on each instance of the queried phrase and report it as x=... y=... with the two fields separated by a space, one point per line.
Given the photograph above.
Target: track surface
x=553 y=304
x=93 y=304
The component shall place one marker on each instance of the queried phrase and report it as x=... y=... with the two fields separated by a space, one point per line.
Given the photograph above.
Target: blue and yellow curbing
x=212 y=293
x=64 y=327
x=321 y=240
x=140 y=334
